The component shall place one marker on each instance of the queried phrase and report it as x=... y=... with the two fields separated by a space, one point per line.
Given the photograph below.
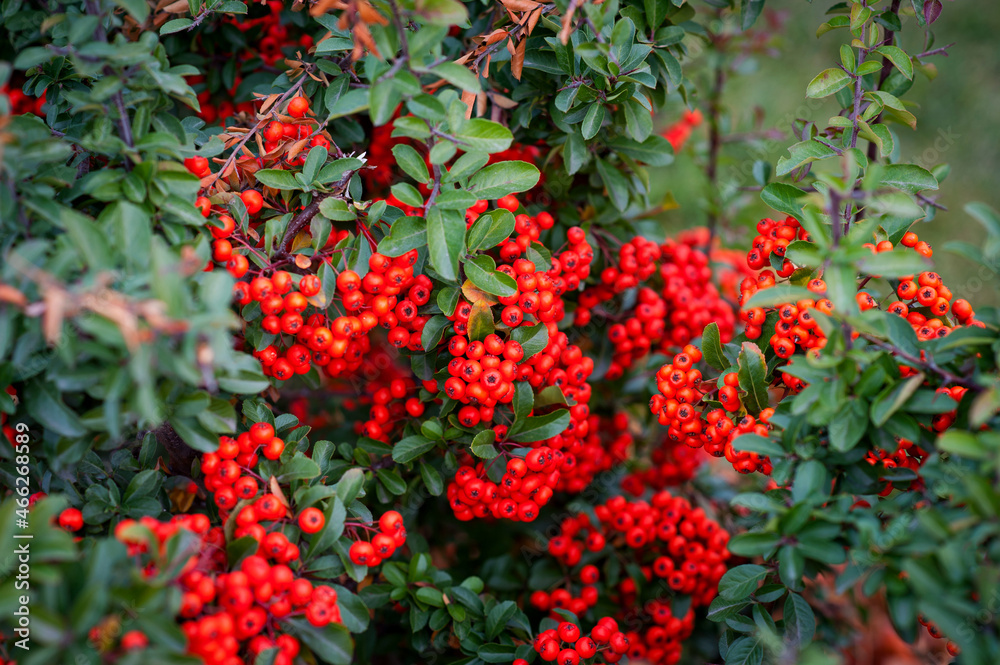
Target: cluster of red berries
x=339 y=345
x=679 y=132
x=224 y=469
x=482 y=374
x=679 y=407
x=391 y=536
x=671 y=463
x=526 y=486
x=567 y=645
x=21 y=103
x=667 y=318
x=227 y=612
x=669 y=540
x=595 y=444
x=391 y=404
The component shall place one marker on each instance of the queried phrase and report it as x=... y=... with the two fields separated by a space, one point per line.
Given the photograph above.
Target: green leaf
x=492 y=228
x=481 y=271
x=496 y=653
x=383 y=98
x=481 y=321
x=907 y=177
x=827 y=82
x=533 y=339
x=432 y=479
x=753 y=378
x=754 y=544
x=539 y=428
x=892 y=398
x=502 y=178
x=800 y=622
x=406 y=233
x=332 y=643
x=447 y=300
x=615 y=182
x=314 y=161
x=848 y=426
x=350 y=484
x=524 y=399
x=654 y=151
x=963 y=444
x=484 y=135
x=782 y=198
x=756 y=443
x=138 y=9
x=391 y=480
x=749 y=11
x=778 y=295
x=592 y=121
x=45 y=405
x=721 y=609
x=986 y=216
x=802 y=153
x=445 y=241
x=711 y=348
x=899 y=58
x=482 y=444
x=458 y=76
x=278 y=179
x=410 y=448
x=299 y=467
x=443 y=12
x=433 y=330
x=175 y=25
x=430 y=596
x=407 y=194
x=411 y=162
x=811 y=482
x=498 y=617
x=898 y=263
x=741 y=581
x=791 y=566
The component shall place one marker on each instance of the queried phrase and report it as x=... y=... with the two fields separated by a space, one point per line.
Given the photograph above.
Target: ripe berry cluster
x=227 y=469
x=391 y=536
x=21 y=103
x=230 y=616
x=679 y=132
x=670 y=463
x=526 y=486
x=669 y=540
x=567 y=645
x=390 y=406
x=666 y=318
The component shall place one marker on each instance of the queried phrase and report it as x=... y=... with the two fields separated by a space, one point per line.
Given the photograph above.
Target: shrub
x=339 y=331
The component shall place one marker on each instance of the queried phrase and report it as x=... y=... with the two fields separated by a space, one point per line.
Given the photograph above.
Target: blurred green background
x=957 y=116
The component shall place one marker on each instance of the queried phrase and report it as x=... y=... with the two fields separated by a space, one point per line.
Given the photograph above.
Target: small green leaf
x=481 y=271
x=711 y=348
x=827 y=82
x=502 y=178
x=899 y=58
x=445 y=241
x=410 y=448
x=482 y=444
x=539 y=428
x=411 y=162
x=753 y=378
